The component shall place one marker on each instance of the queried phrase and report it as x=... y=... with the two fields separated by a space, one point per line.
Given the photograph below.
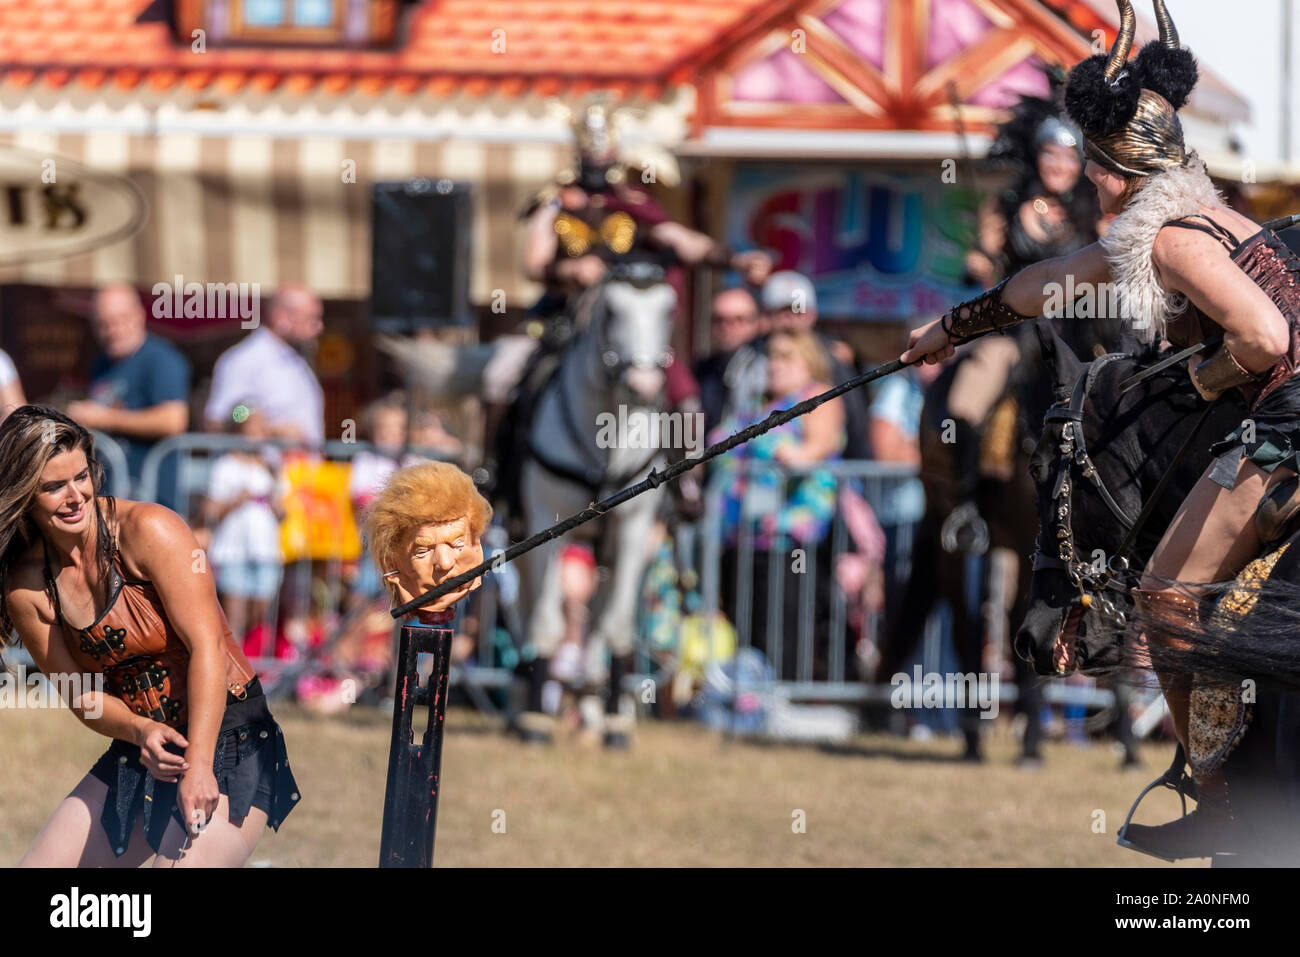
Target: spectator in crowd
x=789 y=303
x=140 y=384
x=733 y=325
x=384 y=424
x=895 y=420
x=11 y=390
x=245 y=505
x=428 y=432
x=269 y=371
x=797 y=368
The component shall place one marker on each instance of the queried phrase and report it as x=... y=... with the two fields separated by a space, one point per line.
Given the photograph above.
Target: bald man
x=140 y=385
x=268 y=371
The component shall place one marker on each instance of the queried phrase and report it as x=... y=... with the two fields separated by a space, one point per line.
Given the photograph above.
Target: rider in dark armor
x=591 y=220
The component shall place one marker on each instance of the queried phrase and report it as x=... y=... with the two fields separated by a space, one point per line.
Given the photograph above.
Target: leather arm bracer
x=1221 y=372
x=985 y=313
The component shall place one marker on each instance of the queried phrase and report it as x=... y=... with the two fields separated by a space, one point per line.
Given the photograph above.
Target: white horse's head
x=635 y=335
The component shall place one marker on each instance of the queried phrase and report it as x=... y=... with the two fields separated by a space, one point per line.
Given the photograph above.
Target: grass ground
x=683 y=796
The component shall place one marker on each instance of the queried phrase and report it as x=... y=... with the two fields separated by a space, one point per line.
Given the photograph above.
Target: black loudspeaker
x=419 y=255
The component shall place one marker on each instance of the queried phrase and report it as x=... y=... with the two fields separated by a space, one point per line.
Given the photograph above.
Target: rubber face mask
x=434 y=553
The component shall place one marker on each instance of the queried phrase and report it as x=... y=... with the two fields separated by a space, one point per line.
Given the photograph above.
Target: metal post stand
x=411 y=798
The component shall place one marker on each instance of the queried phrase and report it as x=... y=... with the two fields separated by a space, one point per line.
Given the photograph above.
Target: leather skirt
x=1269 y=436
x=250 y=763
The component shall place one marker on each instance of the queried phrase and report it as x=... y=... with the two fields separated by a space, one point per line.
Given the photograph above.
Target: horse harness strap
x=1074 y=451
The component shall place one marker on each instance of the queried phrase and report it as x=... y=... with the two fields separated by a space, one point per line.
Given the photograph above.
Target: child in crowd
x=244 y=506
x=384 y=424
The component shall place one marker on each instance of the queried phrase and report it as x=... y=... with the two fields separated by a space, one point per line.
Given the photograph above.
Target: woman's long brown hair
x=29 y=438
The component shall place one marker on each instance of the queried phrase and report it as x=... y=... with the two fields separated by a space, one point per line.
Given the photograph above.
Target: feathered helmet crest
x=1128 y=111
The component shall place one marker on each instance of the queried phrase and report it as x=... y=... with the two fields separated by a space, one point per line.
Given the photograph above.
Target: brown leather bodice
x=1275 y=268
x=143 y=659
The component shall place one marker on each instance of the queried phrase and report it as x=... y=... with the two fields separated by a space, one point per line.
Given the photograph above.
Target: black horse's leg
x=968 y=635
x=1029 y=685
x=908 y=617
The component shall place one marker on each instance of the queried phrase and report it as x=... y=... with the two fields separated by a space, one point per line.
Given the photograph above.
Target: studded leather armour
x=143 y=659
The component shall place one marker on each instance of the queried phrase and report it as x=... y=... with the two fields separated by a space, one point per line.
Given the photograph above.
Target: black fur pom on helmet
x=1099 y=98
x=1165 y=67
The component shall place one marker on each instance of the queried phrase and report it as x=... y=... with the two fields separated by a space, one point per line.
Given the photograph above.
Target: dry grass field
x=683 y=796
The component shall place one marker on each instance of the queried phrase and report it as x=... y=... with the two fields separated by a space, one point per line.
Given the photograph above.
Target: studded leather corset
x=143 y=660
x=1275 y=268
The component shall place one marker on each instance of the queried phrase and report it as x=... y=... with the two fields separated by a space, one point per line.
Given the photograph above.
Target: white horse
x=610 y=375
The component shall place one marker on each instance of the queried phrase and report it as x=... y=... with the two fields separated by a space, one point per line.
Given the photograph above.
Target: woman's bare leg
x=73 y=836
x=220 y=844
x=1211 y=539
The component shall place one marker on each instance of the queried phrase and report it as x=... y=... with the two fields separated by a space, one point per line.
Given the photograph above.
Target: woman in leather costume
x=1186 y=267
x=197 y=767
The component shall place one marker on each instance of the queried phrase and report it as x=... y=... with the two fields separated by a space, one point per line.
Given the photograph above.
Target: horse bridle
x=641 y=275
x=1091 y=580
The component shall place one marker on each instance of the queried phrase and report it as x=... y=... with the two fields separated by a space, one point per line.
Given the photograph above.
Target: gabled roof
x=635 y=48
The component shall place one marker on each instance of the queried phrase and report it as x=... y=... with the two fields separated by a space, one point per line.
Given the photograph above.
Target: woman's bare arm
x=1030 y=289
x=1027 y=292
x=823 y=435
x=541 y=243
x=1194 y=264
x=11 y=397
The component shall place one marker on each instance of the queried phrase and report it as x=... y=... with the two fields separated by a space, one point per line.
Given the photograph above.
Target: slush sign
x=52 y=207
x=876 y=244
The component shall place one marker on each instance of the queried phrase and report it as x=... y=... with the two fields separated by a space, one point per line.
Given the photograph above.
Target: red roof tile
x=548 y=45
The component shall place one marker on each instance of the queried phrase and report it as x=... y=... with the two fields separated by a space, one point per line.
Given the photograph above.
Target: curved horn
x=1168 y=33
x=1123 y=41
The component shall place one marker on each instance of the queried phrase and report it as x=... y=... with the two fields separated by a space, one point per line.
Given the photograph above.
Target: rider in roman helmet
x=1188 y=269
x=579 y=226
x=592 y=217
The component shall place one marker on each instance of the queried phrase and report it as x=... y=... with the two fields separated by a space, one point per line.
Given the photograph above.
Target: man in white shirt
x=268 y=369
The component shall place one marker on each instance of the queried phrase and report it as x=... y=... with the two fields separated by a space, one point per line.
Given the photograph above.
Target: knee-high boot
x=533 y=724
x=617 y=727
x=1211 y=828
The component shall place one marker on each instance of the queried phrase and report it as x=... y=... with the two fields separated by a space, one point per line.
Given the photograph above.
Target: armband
x=1221 y=372
x=985 y=313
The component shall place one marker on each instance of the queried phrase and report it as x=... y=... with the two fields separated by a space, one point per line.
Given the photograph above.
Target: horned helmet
x=1129 y=111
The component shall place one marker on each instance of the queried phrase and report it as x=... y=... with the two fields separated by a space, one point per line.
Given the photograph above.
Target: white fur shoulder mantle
x=1128 y=243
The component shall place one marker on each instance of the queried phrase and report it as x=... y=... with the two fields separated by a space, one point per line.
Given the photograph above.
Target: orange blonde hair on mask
x=430 y=493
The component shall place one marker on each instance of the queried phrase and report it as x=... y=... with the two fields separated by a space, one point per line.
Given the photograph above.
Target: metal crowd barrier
x=113 y=457
x=875 y=482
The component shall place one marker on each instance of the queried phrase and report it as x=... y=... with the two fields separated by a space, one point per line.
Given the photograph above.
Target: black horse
x=940 y=569
x=1131 y=438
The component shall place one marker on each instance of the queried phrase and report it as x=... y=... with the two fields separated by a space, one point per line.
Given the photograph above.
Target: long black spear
x=653 y=480
x=658 y=477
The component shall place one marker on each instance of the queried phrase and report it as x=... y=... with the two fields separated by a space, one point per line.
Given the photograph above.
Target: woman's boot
x=1171 y=619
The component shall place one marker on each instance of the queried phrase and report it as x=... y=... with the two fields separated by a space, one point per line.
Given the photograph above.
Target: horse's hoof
x=530 y=736
x=617 y=741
